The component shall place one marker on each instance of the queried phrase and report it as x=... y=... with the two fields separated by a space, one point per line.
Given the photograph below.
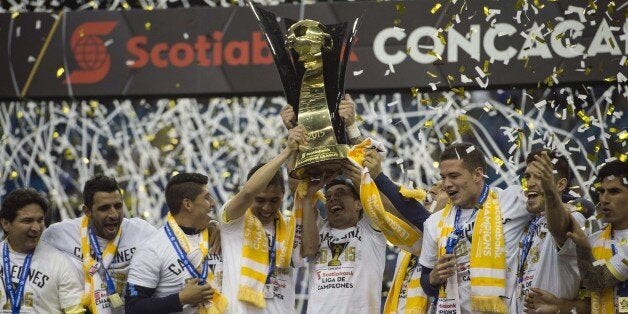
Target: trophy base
x=314 y=162
x=334 y=263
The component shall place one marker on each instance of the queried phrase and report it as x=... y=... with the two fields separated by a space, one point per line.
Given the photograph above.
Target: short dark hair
x=561 y=165
x=181 y=186
x=99 y=183
x=471 y=156
x=346 y=182
x=277 y=179
x=615 y=168
x=19 y=198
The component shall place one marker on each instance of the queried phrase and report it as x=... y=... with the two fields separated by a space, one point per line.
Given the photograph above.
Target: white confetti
x=356 y=73
x=480 y=72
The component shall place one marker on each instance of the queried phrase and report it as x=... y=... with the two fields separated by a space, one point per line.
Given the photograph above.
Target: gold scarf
x=603 y=302
x=416 y=300
x=255 y=263
x=396 y=231
x=91 y=265
x=488 y=256
x=219 y=302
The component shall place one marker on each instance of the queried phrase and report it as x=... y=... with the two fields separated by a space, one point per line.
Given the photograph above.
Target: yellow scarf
x=417 y=194
x=90 y=264
x=396 y=231
x=255 y=263
x=603 y=302
x=488 y=258
x=219 y=302
x=416 y=300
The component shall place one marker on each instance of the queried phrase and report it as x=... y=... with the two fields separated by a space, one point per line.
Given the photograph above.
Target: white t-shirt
x=347 y=275
x=52 y=284
x=66 y=237
x=156 y=265
x=620 y=258
x=514 y=217
x=549 y=267
x=282 y=279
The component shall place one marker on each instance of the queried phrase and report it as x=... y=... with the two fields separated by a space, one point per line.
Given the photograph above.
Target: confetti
x=435 y=8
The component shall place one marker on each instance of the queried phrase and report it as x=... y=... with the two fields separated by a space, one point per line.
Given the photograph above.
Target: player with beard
x=601 y=256
x=41 y=279
x=101 y=244
x=547 y=259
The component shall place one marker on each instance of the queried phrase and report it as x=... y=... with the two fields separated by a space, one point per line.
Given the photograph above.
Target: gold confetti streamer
x=435 y=8
x=60 y=71
x=401 y=8
x=414 y=91
x=498 y=161
x=435 y=54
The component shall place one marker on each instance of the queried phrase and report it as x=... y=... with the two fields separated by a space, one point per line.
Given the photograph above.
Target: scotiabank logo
x=204 y=51
x=90 y=52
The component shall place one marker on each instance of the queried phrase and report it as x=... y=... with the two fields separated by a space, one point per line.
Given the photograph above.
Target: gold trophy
x=336 y=249
x=311 y=60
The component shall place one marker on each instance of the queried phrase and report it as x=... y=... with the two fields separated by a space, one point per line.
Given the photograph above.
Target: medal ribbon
x=93 y=242
x=457 y=228
x=15 y=295
x=526 y=244
x=184 y=258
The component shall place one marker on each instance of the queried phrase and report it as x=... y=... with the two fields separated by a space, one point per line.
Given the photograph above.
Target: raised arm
x=260 y=179
x=558 y=218
x=311 y=239
x=408 y=209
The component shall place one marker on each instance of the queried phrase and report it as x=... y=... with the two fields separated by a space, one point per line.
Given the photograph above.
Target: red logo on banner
x=90 y=52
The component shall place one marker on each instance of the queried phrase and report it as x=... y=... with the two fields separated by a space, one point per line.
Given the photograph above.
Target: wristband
x=353 y=131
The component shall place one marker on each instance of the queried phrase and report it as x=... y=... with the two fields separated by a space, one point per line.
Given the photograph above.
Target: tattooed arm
x=594 y=278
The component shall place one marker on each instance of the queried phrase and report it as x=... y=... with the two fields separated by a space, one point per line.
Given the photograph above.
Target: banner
x=220 y=51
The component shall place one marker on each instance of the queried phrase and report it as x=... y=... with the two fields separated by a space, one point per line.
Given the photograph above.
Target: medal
x=268 y=291
x=622 y=304
x=115 y=300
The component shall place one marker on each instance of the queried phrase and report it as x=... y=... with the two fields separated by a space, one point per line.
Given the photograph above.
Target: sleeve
x=430 y=290
x=429 y=248
x=70 y=285
x=145 y=268
x=139 y=299
x=409 y=208
x=232 y=225
x=618 y=266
